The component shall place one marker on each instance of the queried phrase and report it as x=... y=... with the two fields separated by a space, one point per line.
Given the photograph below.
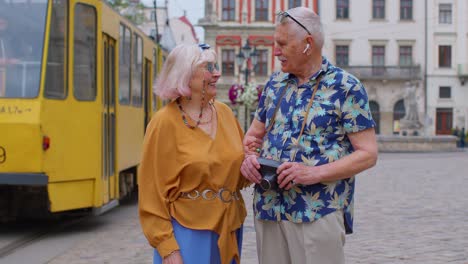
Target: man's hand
x=250 y=167
x=293 y=173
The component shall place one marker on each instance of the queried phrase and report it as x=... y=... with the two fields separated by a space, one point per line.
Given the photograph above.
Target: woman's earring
x=203 y=92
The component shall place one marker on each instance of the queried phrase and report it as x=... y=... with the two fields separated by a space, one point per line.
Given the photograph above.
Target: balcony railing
x=400 y=73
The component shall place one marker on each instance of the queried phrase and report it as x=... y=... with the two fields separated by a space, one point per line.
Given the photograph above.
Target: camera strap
x=272 y=122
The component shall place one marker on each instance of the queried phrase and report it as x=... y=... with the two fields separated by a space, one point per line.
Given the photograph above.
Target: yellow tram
x=75 y=97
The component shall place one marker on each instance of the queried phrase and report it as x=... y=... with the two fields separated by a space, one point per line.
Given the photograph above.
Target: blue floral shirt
x=340 y=107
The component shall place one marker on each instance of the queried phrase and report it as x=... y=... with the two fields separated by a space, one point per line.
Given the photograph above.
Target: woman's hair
x=175 y=75
x=310 y=20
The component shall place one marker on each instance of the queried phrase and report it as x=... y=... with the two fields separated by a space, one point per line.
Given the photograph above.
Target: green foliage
x=118 y=4
x=133 y=12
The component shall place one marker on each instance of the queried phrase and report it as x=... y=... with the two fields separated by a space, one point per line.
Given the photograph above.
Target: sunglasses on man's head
x=283 y=14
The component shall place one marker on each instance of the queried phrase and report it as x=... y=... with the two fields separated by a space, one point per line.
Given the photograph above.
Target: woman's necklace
x=185 y=118
x=201 y=122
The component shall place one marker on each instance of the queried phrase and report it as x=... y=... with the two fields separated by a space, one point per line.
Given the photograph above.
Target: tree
x=133 y=9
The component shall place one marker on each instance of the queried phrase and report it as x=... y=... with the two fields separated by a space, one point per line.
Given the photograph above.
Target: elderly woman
x=191 y=210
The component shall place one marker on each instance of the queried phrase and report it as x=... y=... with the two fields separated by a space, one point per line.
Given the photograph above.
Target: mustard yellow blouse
x=176 y=160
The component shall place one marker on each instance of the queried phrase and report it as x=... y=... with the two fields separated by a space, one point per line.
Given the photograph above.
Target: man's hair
x=175 y=75
x=310 y=20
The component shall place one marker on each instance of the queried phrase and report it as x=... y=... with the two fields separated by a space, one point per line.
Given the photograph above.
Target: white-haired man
x=314 y=118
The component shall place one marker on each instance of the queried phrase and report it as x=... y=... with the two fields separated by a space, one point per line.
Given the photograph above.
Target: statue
x=410 y=124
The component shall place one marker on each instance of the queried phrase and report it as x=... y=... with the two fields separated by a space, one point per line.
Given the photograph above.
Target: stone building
x=391 y=46
x=382 y=43
x=447 y=65
x=229 y=24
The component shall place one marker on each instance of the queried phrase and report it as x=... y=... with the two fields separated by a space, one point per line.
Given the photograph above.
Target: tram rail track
x=37 y=235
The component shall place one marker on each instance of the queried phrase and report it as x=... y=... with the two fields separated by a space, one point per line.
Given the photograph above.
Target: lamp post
x=246 y=55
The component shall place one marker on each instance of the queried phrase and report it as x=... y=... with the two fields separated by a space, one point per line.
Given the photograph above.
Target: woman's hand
x=173 y=258
x=252 y=145
x=250 y=167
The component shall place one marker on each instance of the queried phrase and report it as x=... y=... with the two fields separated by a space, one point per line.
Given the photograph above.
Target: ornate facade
x=388 y=45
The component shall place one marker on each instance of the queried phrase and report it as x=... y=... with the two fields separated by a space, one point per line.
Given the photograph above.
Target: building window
x=406 y=55
x=153 y=16
x=378 y=9
x=342 y=55
x=228 y=10
x=342 y=9
x=445 y=92
x=262 y=63
x=228 y=56
x=445 y=14
x=294 y=3
x=406 y=9
x=261 y=10
x=445 y=56
x=378 y=60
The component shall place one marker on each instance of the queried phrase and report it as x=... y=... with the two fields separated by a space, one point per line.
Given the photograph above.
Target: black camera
x=268 y=171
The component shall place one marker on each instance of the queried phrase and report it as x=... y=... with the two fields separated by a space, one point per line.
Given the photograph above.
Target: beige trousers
x=318 y=242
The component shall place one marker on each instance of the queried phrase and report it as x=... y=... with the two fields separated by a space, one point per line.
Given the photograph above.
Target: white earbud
x=306 y=48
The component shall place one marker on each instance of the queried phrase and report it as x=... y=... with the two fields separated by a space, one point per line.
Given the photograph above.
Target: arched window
x=398 y=113
x=375 y=111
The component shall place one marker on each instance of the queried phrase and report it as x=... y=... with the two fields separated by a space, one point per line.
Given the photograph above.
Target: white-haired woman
x=191 y=210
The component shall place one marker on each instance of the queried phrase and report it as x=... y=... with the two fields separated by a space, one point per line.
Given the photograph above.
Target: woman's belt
x=225 y=195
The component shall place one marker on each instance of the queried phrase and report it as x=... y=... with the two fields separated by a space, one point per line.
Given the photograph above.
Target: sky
x=195 y=10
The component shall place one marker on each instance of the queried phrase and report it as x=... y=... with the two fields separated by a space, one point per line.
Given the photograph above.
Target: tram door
x=148 y=92
x=109 y=179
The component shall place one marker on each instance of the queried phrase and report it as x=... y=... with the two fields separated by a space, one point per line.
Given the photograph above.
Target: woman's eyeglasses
x=283 y=14
x=212 y=66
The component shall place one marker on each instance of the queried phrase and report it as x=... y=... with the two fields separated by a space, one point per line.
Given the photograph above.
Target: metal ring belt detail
x=225 y=195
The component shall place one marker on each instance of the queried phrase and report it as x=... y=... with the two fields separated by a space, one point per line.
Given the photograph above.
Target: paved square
x=409 y=208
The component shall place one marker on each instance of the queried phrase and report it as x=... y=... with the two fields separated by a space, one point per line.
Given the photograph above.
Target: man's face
x=288 y=50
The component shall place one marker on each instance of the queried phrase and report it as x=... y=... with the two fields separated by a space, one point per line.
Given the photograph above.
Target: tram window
x=55 y=82
x=124 y=65
x=155 y=72
x=22 y=27
x=84 y=39
x=137 y=70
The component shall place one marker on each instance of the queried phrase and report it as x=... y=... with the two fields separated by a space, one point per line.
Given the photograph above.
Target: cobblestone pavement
x=409 y=208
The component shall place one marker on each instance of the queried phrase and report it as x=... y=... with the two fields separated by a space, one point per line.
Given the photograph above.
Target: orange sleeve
x=157 y=174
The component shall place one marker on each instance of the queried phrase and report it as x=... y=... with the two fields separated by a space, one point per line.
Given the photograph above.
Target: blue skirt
x=198 y=246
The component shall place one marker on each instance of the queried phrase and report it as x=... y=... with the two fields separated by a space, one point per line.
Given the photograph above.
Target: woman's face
x=205 y=76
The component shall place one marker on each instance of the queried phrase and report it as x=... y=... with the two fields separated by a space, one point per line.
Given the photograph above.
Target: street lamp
x=246 y=55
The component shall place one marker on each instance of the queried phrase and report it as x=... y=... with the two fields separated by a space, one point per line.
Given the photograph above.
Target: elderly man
x=314 y=118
